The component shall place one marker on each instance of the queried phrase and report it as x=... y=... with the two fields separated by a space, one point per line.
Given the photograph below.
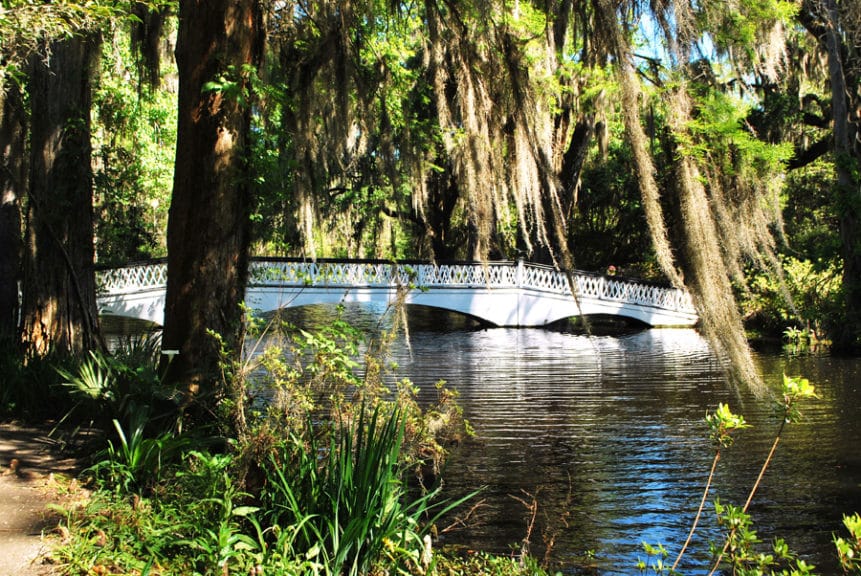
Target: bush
x=805 y=311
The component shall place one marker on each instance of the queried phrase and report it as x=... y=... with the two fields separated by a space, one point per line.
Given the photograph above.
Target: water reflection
x=603 y=432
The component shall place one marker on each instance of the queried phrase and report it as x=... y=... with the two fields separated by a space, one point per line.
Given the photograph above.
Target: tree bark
x=209 y=226
x=13 y=179
x=59 y=312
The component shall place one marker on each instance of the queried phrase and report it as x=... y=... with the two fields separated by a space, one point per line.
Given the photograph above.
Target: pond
x=605 y=436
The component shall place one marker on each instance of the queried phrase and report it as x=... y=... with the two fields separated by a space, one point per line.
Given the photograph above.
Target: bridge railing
x=548 y=279
x=131 y=278
x=384 y=274
x=644 y=294
x=491 y=274
x=381 y=274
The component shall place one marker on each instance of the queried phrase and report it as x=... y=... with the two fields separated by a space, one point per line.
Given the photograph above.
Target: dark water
x=606 y=434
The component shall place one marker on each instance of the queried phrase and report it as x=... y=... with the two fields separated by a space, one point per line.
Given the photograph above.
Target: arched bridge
x=500 y=293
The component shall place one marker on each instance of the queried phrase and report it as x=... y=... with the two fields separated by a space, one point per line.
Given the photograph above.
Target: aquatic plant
x=849 y=550
x=722 y=423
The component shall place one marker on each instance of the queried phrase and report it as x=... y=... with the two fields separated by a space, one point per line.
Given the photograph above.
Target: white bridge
x=499 y=293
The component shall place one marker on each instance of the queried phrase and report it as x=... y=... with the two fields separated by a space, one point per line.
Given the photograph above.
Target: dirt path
x=33 y=473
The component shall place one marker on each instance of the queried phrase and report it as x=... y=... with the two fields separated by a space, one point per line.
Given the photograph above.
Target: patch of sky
x=651 y=46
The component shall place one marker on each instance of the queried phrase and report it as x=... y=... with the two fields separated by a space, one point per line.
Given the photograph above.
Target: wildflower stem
x=699 y=511
x=749 y=498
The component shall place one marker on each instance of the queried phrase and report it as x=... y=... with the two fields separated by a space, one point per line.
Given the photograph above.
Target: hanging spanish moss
x=147 y=29
x=646 y=172
x=720 y=228
x=496 y=129
x=708 y=266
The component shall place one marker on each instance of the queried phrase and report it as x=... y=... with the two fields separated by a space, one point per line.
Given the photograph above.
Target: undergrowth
x=331 y=471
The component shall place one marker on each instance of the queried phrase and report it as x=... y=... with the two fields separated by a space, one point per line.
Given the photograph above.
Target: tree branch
x=802 y=157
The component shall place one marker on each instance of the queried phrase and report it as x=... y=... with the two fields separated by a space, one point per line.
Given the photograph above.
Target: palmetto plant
x=136 y=461
x=105 y=387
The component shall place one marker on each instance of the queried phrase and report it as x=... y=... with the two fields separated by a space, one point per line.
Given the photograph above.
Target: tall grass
x=348 y=500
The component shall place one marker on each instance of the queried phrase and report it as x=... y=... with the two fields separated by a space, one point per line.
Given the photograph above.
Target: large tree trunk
x=12 y=182
x=209 y=225
x=59 y=304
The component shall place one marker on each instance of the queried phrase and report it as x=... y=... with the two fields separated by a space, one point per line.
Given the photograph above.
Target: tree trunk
x=823 y=20
x=847 y=162
x=209 y=226
x=59 y=312
x=436 y=219
x=12 y=182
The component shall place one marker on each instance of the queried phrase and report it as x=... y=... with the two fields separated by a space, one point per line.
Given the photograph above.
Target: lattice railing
x=495 y=275
x=273 y=273
x=132 y=278
x=618 y=290
x=381 y=274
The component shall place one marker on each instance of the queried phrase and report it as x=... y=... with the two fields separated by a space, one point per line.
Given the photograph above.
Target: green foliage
x=741 y=540
x=327 y=494
x=26 y=25
x=811 y=214
x=607 y=225
x=350 y=507
x=306 y=371
x=317 y=373
x=721 y=134
x=804 y=308
x=136 y=462
x=722 y=423
x=96 y=388
x=794 y=389
x=655 y=559
x=741 y=549
x=742 y=25
x=124 y=391
x=223 y=541
x=484 y=564
x=104 y=388
x=849 y=549
x=234 y=84
x=312 y=157
x=193 y=523
x=134 y=147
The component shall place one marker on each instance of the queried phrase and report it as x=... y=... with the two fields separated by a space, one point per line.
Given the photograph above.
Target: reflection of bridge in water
x=499 y=293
